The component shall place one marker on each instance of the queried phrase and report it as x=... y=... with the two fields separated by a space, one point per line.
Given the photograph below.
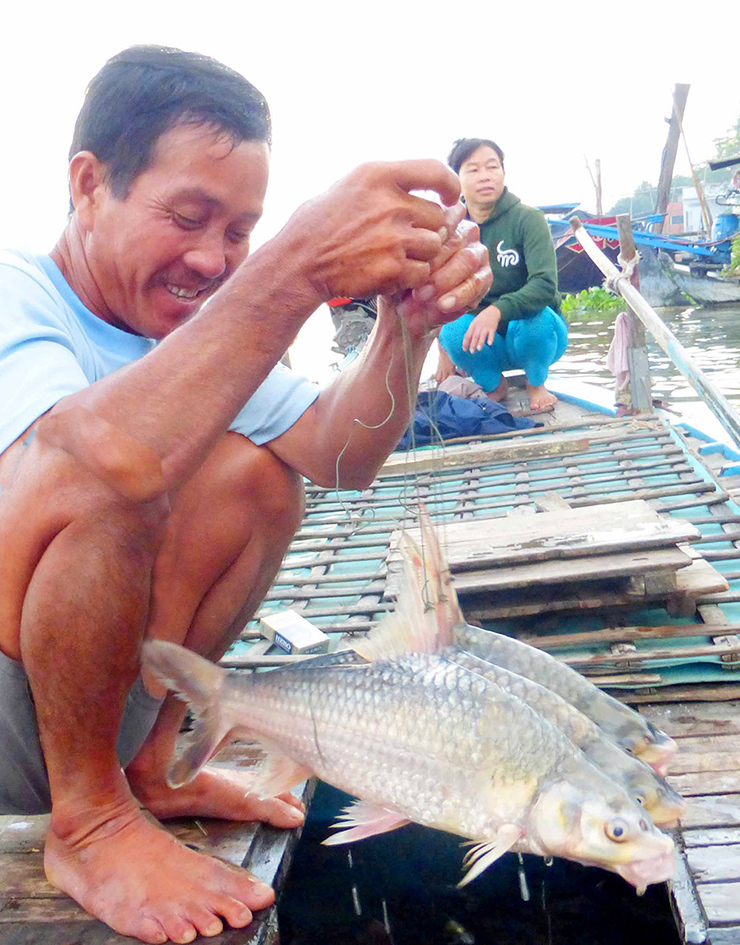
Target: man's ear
x=87 y=184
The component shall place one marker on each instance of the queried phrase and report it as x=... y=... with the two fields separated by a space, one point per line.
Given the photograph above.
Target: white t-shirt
x=52 y=346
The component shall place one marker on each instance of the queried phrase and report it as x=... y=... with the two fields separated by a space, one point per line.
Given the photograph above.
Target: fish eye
x=616 y=830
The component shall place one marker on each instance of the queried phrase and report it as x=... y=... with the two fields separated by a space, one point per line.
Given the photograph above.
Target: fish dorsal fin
x=482 y=855
x=362 y=819
x=427 y=607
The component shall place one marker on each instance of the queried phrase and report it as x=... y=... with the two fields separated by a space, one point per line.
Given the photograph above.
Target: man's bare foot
x=142 y=882
x=216 y=792
x=540 y=399
x=501 y=391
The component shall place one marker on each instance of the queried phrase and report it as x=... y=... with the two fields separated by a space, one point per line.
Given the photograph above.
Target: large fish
x=622 y=725
x=418 y=737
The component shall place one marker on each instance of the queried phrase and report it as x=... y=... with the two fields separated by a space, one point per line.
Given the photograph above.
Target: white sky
x=386 y=79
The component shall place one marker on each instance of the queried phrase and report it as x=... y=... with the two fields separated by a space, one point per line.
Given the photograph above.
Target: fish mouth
x=659 y=754
x=652 y=869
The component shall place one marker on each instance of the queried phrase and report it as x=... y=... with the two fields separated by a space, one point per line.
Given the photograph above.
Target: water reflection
x=710 y=335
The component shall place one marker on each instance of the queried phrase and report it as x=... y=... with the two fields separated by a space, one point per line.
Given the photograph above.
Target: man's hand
x=482 y=329
x=460 y=277
x=369 y=235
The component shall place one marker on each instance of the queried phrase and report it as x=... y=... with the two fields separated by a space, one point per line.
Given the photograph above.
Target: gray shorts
x=24 y=786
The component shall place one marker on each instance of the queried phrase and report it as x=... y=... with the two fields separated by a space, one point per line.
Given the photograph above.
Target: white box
x=293 y=633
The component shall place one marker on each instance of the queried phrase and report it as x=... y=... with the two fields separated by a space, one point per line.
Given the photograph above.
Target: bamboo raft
x=673 y=651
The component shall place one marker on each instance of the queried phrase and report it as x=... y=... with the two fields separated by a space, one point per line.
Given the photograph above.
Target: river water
x=711 y=335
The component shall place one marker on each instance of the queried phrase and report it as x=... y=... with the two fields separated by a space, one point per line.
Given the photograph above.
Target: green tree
x=642 y=202
x=729 y=146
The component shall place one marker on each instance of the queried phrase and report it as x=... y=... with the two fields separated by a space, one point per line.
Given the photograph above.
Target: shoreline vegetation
x=591 y=303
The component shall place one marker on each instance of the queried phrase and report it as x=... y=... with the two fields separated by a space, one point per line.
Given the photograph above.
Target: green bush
x=589 y=302
x=735 y=255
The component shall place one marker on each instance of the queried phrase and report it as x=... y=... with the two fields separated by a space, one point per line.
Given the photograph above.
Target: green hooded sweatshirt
x=522 y=254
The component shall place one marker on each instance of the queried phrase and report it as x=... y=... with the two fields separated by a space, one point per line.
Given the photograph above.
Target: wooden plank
x=718 y=811
x=23 y=877
x=19 y=834
x=685 y=905
x=715 y=864
x=46 y=923
x=705 y=743
x=696 y=580
x=403 y=464
x=686 y=762
x=692 y=582
x=712 y=836
x=721 y=901
x=709 y=692
x=584 y=660
x=727 y=935
x=572 y=533
x=696 y=719
x=626 y=679
x=597 y=567
x=697 y=783
x=631 y=634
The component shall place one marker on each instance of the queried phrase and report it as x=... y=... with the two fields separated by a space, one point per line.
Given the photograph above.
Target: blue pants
x=532 y=344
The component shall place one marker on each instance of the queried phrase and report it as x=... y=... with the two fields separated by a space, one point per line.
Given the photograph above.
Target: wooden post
x=680 y=94
x=706 y=213
x=723 y=410
x=599 y=205
x=640 y=398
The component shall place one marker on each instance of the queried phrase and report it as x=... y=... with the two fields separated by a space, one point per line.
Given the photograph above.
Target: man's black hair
x=464 y=147
x=144 y=91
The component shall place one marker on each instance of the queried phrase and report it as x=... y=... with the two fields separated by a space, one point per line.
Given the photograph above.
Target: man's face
x=183 y=228
x=482 y=178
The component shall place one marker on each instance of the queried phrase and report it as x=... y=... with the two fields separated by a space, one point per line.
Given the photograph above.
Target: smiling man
x=518 y=323
x=152 y=453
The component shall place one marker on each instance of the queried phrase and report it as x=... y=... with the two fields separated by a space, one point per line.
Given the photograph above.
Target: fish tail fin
x=427 y=608
x=198 y=682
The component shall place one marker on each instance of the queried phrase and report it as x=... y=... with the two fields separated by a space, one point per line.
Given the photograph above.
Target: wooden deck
x=682 y=671
x=706 y=893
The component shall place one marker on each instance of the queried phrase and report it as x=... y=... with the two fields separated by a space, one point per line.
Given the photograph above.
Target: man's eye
x=186 y=222
x=238 y=236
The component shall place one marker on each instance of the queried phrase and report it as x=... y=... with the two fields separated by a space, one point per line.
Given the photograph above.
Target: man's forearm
x=356 y=422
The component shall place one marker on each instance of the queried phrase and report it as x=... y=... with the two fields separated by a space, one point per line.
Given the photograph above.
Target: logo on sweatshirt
x=506 y=257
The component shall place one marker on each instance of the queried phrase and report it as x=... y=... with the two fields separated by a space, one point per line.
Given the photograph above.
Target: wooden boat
x=672 y=270
x=662 y=636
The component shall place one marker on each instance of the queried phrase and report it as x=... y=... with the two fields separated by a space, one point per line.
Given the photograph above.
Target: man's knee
x=78 y=468
x=268 y=489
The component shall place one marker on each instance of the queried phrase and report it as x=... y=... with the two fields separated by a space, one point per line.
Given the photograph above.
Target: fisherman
x=139 y=496
x=518 y=323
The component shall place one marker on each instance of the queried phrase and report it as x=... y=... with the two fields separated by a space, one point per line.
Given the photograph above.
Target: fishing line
x=356 y=517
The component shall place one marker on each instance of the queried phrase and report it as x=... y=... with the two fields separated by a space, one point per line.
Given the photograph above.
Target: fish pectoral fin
x=363 y=819
x=482 y=855
x=209 y=730
x=279 y=773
